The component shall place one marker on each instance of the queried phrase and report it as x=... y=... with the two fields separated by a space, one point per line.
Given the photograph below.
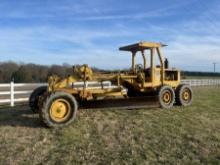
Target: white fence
x=202 y=82
x=12 y=93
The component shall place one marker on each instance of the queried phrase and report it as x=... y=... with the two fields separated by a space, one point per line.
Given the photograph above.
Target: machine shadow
x=122 y=108
x=20 y=116
x=122 y=104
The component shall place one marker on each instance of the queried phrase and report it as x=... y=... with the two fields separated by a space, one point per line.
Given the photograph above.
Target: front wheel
x=59 y=109
x=166 y=97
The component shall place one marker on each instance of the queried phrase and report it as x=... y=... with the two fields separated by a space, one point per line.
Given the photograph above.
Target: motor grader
x=58 y=102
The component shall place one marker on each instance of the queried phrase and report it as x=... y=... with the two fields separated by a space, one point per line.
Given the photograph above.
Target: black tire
x=34 y=97
x=166 y=97
x=131 y=93
x=47 y=116
x=180 y=92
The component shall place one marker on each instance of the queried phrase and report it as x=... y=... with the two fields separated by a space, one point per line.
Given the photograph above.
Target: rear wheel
x=59 y=109
x=166 y=97
x=184 y=95
x=34 y=97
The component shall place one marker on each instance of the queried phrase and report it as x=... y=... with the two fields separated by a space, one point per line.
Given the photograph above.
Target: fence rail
x=12 y=93
x=202 y=82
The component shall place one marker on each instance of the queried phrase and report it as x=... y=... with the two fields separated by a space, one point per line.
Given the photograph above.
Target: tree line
x=34 y=73
x=30 y=73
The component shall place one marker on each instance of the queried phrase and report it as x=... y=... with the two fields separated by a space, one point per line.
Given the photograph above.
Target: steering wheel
x=138 y=67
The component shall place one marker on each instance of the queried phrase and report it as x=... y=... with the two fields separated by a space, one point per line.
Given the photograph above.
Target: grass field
x=200 y=77
x=188 y=135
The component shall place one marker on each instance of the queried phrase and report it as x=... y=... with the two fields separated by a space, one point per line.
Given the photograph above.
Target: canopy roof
x=141 y=46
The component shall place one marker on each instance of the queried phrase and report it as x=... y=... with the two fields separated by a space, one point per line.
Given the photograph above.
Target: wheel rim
x=60 y=110
x=167 y=97
x=186 y=95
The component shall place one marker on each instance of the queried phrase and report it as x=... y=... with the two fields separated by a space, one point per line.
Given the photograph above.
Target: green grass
x=200 y=77
x=189 y=135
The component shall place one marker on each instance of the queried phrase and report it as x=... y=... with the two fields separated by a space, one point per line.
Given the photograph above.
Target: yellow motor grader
x=58 y=102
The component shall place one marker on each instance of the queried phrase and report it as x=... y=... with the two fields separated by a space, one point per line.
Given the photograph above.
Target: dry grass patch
x=188 y=135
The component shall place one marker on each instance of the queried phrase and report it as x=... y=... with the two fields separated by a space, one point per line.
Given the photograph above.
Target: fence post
x=12 y=93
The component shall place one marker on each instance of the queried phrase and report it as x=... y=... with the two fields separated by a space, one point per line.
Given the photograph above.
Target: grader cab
x=58 y=102
x=148 y=78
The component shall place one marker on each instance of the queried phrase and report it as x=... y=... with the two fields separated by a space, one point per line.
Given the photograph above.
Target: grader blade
x=127 y=103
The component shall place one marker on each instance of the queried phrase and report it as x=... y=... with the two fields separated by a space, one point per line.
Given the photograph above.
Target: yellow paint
x=167 y=98
x=186 y=95
x=60 y=110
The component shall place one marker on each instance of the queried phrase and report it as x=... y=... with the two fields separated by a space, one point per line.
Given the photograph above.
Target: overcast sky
x=90 y=31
